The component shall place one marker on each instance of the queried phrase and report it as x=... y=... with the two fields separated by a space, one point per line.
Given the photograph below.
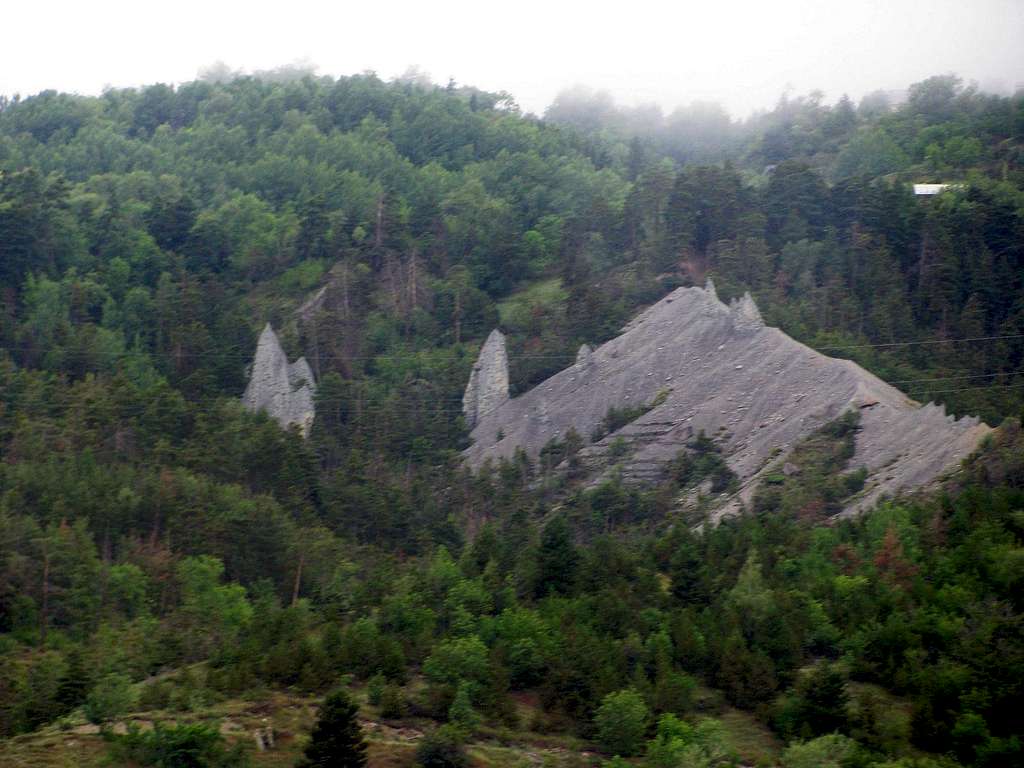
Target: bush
x=392 y=702
x=442 y=748
x=621 y=722
x=179 y=746
x=461 y=713
x=823 y=752
x=673 y=692
x=680 y=744
x=375 y=689
x=113 y=695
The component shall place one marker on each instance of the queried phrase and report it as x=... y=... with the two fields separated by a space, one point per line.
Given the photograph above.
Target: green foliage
x=375 y=689
x=461 y=712
x=458 y=660
x=216 y=612
x=113 y=696
x=817 y=488
x=442 y=748
x=148 y=522
x=557 y=559
x=336 y=738
x=823 y=752
x=393 y=703
x=621 y=722
x=193 y=745
x=678 y=743
x=703 y=460
x=818 y=705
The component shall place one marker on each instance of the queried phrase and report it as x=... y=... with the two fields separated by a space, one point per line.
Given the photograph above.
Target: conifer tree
x=336 y=740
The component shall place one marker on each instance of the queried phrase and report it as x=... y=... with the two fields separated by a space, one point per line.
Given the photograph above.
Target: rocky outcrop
x=745 y=314
x=487 y=389
x=583 y=355
x=283 y=390
x=703 y=366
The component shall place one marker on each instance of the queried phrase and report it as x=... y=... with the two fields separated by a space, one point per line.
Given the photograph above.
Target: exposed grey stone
x=709 y=288
x=745 y=314
x=311 y=306
x=789 y=469
x=487 y=389
x=783 y=392
x=284 y=391
x=583 y=355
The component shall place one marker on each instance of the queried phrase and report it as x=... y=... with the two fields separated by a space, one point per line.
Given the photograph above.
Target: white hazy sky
x=743 y=54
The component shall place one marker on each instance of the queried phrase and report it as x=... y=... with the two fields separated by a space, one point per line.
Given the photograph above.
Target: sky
x=672 y=52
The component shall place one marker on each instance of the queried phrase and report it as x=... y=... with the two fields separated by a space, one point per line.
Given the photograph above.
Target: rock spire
x=283 y=390
x=745 y=314
x=488 y=383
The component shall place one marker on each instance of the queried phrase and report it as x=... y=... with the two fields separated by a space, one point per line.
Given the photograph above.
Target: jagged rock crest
x=487 y=389
x=283 y=390
x=690 y=363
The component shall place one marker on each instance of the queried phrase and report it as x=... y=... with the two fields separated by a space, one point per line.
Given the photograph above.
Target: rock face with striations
x=703 y=366
x=284 y=390
x=487 y=389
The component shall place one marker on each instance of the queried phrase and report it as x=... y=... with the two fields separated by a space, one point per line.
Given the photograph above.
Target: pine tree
x=557 y=559
x=461 y=712
x=336 y=740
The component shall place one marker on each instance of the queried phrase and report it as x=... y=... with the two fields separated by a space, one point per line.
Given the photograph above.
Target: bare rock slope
x=703 y=365
x=284 y=390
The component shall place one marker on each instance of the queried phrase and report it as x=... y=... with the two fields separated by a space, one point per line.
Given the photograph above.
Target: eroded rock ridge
x=703 y=366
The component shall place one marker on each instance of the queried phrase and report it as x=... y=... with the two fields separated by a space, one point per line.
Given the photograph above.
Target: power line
x=954 y=378
x=411 y=356
x=927 y=341
x=966 y=389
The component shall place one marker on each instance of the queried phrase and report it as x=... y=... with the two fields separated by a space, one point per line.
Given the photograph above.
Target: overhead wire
x=525 y=356
x=451 y=404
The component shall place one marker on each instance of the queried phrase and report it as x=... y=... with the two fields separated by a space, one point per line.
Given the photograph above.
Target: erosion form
x=487 y=389
x=284 y=390
x=700 y=365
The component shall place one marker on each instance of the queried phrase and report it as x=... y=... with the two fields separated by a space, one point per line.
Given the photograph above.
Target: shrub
x=113 y=695
x=442 y=748
x=179 y=746
x=621 y=722
x=830 y=751
x=392 y=702
x=375 y=689
x=461 y=713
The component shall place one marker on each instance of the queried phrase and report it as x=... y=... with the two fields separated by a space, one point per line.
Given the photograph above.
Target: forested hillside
x=162 y=549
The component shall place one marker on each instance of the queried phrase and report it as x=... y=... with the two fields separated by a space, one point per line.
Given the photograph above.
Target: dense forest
x=163 y=550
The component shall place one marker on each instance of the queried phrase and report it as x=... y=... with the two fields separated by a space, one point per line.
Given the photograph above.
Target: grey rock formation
x=285 y=391
x=719 y=369
x=487 y=389
x=709 y=288
x=745 y=314
x=583 y=355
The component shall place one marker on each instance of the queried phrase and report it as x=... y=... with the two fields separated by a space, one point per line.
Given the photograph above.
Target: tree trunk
x=378 y=239
x=298 y=578
x=44 y=613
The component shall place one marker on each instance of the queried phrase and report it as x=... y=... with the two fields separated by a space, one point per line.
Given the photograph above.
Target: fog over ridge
x=739 y=54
